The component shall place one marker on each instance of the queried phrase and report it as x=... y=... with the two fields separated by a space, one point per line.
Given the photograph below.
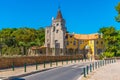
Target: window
x=67 y=43
x=53 y=28
x=57 y=31
x=81 y=42
x=56 y=41
x=70 y=36
x=97 y=42
x=74 y=43
x=61 y=24
x=99 y=36
x=61 y=51
x=66 y=36
x=57 y=24
x=101 y=42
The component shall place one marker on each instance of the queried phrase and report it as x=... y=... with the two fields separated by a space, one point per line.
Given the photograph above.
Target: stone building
x=55 y=36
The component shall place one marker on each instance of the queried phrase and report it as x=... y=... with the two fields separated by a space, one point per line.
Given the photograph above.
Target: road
x=69 y=72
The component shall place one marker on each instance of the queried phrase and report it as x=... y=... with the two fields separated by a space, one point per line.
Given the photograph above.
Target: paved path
x=108 y=72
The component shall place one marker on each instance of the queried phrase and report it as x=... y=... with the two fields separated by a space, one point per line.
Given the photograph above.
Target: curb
x=26 y=74
x=80 y=78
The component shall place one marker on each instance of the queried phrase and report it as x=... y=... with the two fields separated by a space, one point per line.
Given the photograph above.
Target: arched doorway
x=88 y=52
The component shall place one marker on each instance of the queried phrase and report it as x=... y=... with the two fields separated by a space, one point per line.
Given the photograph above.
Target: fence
x=89 y=68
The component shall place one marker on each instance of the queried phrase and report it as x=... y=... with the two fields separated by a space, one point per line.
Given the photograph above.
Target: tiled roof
x=86 y=36
x=59 y=15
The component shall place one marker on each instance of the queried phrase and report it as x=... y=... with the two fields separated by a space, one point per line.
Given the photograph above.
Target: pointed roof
x=59 y=15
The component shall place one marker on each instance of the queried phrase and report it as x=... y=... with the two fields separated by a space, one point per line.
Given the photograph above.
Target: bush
x=118 y=53
x=108 y=54
x=101 y=56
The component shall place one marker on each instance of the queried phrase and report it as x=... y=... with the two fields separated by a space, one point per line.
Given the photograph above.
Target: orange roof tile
x=86 y=36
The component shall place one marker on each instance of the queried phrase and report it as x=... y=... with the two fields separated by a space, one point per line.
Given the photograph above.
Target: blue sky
x=82 y=16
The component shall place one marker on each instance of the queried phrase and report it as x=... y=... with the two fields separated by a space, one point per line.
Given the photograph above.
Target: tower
x=55 y=35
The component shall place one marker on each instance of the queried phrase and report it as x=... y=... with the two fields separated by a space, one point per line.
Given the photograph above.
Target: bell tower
x=58 y=31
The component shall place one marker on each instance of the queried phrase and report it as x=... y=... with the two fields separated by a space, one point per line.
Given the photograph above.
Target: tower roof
x=59 y=15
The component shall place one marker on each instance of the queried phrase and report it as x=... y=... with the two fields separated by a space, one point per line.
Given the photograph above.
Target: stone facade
x=55 y=36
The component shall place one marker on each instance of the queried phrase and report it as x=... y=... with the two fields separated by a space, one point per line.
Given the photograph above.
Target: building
x=87 y=44
x=58 y=42
x=55 y=36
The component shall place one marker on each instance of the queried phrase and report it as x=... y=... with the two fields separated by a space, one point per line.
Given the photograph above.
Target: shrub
x=118 y=53
x=108 y=54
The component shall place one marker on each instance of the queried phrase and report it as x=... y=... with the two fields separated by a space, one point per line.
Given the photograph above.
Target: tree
x=111 y=39
x=21 y=39
x=118 y=10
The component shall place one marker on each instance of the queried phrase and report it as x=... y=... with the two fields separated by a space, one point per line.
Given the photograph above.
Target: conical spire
x=59 y=15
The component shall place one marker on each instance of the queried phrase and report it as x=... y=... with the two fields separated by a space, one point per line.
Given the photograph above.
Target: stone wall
x=30 y=60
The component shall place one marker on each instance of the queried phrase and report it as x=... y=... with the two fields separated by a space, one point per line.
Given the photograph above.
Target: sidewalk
x=108 y=72
x=32 y=69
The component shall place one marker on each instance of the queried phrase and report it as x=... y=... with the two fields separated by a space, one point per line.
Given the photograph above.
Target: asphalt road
x=70 y=72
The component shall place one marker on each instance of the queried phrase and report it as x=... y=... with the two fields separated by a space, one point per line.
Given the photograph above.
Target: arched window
x=57 y=24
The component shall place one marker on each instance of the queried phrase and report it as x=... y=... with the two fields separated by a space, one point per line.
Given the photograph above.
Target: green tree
x=20 y=39
x=111 y=39
x=118 y=10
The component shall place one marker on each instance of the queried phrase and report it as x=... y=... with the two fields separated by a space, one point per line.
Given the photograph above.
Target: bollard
x=71 y=60
x=67 y=61
x=84 y=71
x=56 y=63
x=115 y=59
x=36 y=66
x=98 y=64
x=44 y=64
x=78 y=60
x=112 y=61
x=75 y=60
x=85 y=59
x=90 y=67
x=93 y=66
x=103 y=62
x=25 y=67
x=62 y=62
x=13 y=66
x=87 y=69
x=82 y=59
x=51 y=64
